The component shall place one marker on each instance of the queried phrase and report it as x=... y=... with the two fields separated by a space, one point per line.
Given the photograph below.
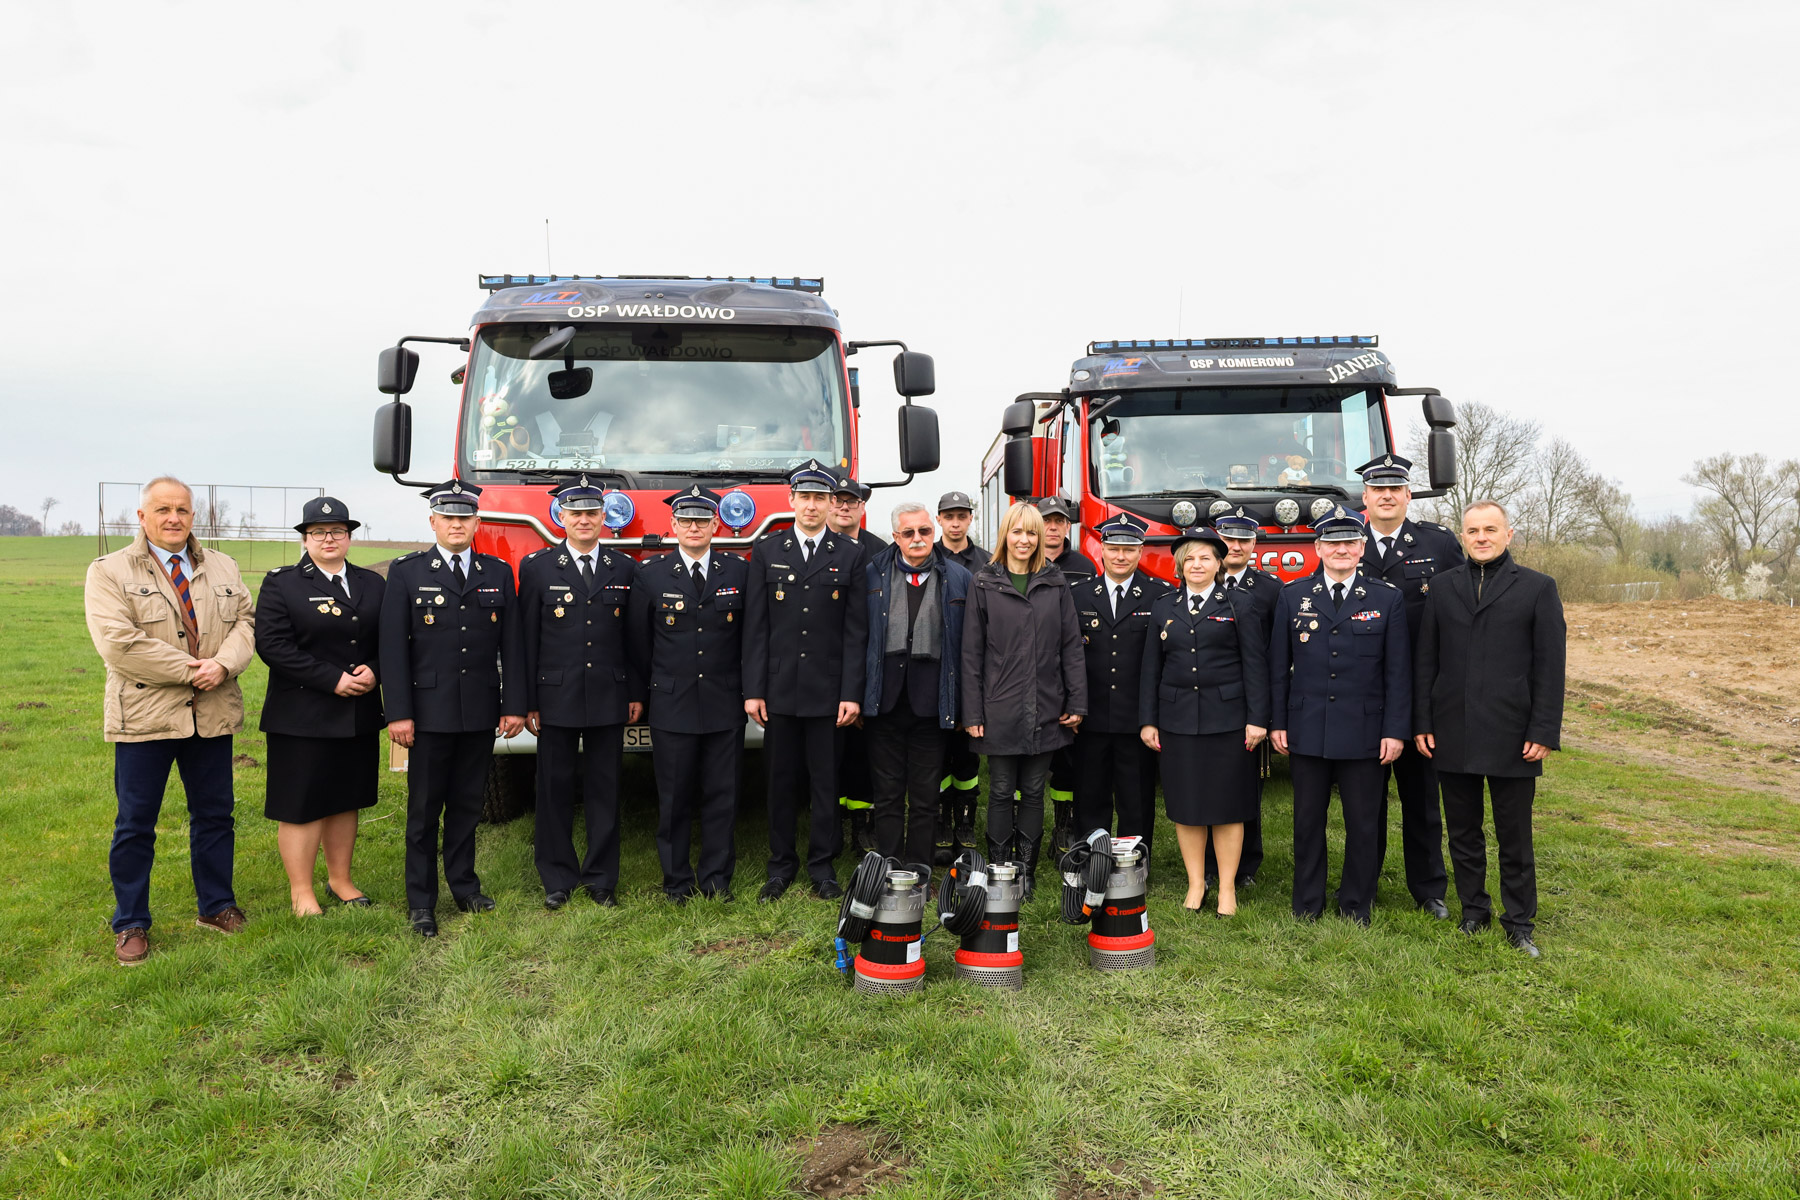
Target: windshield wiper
x=1165 y=492
x=1323 y=489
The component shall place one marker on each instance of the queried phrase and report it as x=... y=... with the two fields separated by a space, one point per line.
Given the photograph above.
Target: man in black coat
x=1060 y=548
x=1487 y=707
x=686 y=628
x=805 y=630
x=452 y=675
x=1341 y=675
x=1256 y=593
x=1409 y=554
x=958 y=796
x=573 y=599
x=1114 y=770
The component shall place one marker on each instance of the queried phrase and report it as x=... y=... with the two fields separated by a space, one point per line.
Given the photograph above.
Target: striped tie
x=181 y=589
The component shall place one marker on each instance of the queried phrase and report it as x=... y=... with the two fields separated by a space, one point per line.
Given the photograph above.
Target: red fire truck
x=646 y=384
x=1179 y=431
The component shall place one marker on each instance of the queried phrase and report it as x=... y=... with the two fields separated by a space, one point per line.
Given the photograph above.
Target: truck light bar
x=1354 y=339
x=792 y=283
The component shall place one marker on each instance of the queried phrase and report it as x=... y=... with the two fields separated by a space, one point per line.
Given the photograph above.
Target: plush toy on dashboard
x=1240 y=475
x=502 y=429
x=1295 y=475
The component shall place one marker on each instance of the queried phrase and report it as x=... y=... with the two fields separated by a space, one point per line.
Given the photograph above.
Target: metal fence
x=223 y=512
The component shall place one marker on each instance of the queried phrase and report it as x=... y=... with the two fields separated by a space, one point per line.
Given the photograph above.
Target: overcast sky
x=215 y=216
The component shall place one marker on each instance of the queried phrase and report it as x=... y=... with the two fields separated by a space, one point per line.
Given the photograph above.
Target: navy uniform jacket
x=971 y=558
x=1340 y=680
x=1260 y=592
x=690 y=646
x=1073 y=563
x=308 y=650
x=451 y=661
x=577 y=673
x=1114 y=647
x=1421 y=550
x=1204 y=672
x=805 y=625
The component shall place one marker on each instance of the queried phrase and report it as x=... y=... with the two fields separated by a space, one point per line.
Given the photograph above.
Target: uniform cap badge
x=324 y=508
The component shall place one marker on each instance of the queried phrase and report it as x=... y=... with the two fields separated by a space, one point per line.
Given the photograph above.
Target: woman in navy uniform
x=686 y=627
x=1112 y=764
x=452 y=670
x=1204 y=702
x=572 y=601
x=318 y=627
x=1341 y=677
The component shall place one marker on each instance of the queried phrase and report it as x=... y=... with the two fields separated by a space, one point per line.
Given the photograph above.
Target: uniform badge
x=438 y=599
x=1407 y=538
x=834 y=593
x=435 y=564
x=428 y=618
x=493 y=616
x=790 y=579
x=324 y=608
x=1314 y=625
x=671 y=620
x=616 y=612
x=336 y=611
x=1424 y=588
x=562 y=560
x=558 y=610
x=780 y=595
x=728 y=617
x=1359 y=590
x=568 y=597
x=680 y=604
x=1095 y=622
x=1305 y=636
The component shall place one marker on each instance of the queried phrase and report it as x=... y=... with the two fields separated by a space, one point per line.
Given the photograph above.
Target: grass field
x=653 y=1052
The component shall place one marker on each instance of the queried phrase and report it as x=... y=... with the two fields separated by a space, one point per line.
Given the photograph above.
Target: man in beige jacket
x=175 y=625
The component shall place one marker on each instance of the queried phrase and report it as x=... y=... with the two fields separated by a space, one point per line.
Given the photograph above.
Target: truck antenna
x=548 y=269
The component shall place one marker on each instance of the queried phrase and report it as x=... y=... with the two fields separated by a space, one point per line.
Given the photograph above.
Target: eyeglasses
x=693 y=522
x=329 y=535
x=910 y=534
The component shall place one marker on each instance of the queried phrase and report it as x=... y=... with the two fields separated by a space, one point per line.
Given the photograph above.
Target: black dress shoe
x=679 y=899
x=359 y=901
x=475 y=902
x=1355 y=918
x=424 y=922
x=1522 y=942
x=773 y=890
x=555 y=900
x=603 y=897
x=1436 y=908
x=828 y=889
x=1472 y=925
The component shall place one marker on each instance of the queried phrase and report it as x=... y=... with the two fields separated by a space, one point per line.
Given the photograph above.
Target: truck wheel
x=511 y=789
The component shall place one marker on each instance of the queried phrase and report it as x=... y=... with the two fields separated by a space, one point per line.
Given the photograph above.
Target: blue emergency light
x=792 y=283
x=737 y=509
x=1354 y=339
x=619 y=510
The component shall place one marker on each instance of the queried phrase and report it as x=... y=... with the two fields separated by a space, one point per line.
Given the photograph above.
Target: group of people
x=880 y=672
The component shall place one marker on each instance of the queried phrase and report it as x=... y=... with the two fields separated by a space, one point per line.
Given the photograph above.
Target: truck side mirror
x=1019 y=472
x=396 y=371
x=1439 y=412
x=1018 y=419
x=918 y=432
x=1441 y=449
x=916 y=375
x=393 y=433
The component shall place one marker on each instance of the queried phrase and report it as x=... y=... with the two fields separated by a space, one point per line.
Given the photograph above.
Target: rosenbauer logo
x=675 y=312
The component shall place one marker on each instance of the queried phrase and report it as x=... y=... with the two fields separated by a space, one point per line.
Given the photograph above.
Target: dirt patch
x=1103 y=1181
x=30 y=704
x=847 y=1161
x=75 y=670
x=244 y=760
x=1709 y=688
x=739 y=947
x=343 y=1079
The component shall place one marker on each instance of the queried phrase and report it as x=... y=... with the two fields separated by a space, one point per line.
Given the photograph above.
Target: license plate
x=637 y=737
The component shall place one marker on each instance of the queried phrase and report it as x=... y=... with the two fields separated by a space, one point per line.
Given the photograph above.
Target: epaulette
x=409 y=554
x=276 y=570
x=534 y=554
x=1384 y=583
x=1436 y=526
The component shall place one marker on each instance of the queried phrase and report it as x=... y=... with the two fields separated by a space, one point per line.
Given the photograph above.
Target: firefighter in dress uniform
x=1256 y=593
x=1341 y=676
x=686 y=627
x=959 y=794
x=1407 y=554
x=1059 y=548
x=452 y=675
x=578 y=686
x=805 y=631
x=1114 y=770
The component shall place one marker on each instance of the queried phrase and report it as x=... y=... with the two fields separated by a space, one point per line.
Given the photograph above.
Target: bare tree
x=44 y=507
x=1749 y=509
x=1495 y=457
x=1616 y=521
x=70 y=529
x=1558 y=506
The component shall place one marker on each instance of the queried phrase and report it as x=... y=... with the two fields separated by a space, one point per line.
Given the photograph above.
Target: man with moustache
x=578 y=688
x=1409 y=554
x=805 y=629
x=452 y=676
x=1488 y=701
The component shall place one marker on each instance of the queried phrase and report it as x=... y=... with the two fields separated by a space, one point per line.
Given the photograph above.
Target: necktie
x=1194 y=603
x=1387 y=546
x=587 y=572
x=1337 y=595
x=456 y=572
x=806 y=550
x=1230 y=582
x=1118 y=598
x=180 y=584
x=699 y=579
x=337 y=585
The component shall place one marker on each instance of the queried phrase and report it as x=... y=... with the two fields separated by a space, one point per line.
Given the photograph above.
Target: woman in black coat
x=1024 y=681
x=316 y=626
x=1204 y=701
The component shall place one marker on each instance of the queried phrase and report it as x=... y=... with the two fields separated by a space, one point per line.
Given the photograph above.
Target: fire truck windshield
x=1221 y=440
x=680 y=399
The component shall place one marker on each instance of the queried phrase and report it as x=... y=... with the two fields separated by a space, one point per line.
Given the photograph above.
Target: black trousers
x=1027 y=775
x=906 y=756
x=446 y=774
x=801 y=756
x=595 y=772
x=697 y=779
x=1360 y=782
x=1251 y=860
x=1421 y=825
x=1512 y=799
x=1115 y=772
x=1062 y=774
x=853 y=764
x=961 y=764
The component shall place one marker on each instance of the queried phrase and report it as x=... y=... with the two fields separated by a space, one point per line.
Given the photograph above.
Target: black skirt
x=311 y=778
x=1208 y=778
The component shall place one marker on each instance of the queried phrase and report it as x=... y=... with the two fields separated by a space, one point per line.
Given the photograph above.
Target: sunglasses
x=910 y=534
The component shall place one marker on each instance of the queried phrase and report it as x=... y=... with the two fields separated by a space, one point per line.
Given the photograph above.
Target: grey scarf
x=927 y=630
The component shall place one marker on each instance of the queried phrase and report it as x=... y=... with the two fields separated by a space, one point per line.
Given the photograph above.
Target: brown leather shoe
x=131 y=946
x=226 y=920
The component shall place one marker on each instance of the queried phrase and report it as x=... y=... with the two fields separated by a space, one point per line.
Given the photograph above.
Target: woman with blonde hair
x=1024 y=681
x=1204 y=700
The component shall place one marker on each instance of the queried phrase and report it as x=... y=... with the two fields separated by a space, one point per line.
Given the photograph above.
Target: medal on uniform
x=1305 y=636
x=568 y=597
x=438 y=599
x=790 y=579
x=1423 y=588
x=728 y=618
x=1095 y=622
x=680 y=604
x=493 y=616
x=780 y=595
x=558 y=610
x=1314 y=625
x=671 y=620
x=336 y=611
x=324 y=608
x=428 y=618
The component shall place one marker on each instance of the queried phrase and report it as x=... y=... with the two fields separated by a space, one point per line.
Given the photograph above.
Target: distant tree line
x=14 y=523
x=1741 y=539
